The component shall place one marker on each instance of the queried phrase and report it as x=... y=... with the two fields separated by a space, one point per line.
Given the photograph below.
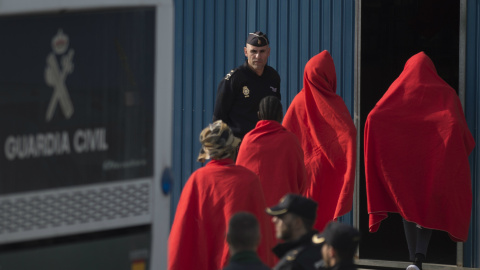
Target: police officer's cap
x=296 y=204
x=257 y=39
x=340 y=236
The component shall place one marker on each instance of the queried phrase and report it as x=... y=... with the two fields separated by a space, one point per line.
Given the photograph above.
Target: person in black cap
x=243 y=238
x=339 y=243
x=240 y=92
x=294 y=217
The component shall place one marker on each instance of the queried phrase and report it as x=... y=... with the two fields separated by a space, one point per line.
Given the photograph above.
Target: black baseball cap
x=340 y=236
x=257 y=39
x=296 y=204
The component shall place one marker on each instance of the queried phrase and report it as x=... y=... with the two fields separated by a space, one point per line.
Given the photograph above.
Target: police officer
x=339 y=242
x=294 y=217
x=240 y=92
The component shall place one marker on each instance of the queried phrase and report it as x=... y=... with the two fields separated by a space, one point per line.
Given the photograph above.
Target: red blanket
x=210 y=197
x=321 y=121
x=416 y=153
x=275 y=155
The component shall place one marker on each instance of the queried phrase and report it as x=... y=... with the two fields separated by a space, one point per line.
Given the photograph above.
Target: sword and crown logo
x=246 y=91
x=55 y=75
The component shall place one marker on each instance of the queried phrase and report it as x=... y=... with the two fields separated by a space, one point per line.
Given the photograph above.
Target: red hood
x=324 y=127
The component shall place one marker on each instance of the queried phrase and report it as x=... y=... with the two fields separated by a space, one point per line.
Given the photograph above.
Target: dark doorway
x=392 y=32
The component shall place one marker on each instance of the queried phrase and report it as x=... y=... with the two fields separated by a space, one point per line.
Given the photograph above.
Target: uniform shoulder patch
x=292 y=255
x=227 y=77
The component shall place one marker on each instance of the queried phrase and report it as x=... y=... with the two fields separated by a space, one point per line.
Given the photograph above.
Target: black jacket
x=301 y=254
x=246 y=260
x=239 y=95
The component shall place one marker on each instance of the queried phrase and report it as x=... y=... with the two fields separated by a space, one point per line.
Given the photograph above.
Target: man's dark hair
x=270 y=108
x=343 y=238
x=243 y=231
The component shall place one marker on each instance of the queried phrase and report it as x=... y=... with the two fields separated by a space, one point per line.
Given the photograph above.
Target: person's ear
x=245 y=51
x=257 y=243
x=331 y=252
x=280 y=117
x=298 y=222
x=227 y=238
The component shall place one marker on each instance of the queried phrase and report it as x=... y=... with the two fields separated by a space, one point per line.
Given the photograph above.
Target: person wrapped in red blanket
x=322 y=123
x=416 y=154
x=273 y=153
x=210 y=197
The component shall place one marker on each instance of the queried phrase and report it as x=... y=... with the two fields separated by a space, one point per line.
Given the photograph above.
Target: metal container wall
x=472 y=114
x=209 y=40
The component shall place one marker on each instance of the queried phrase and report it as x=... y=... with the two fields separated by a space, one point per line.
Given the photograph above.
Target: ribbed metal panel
x=74 y=210
x=209 y=40
x=472 y=113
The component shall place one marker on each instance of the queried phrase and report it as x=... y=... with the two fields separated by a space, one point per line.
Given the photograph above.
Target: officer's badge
x=259 y=42
x=246 y=91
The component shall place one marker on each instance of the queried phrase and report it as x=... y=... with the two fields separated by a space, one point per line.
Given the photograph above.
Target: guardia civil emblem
x=55 y=75
x=246 y=91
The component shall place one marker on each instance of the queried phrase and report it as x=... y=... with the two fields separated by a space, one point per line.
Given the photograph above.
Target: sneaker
x=412 y=267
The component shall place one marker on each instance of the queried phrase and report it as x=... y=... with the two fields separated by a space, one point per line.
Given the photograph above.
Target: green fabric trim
x=245 y=256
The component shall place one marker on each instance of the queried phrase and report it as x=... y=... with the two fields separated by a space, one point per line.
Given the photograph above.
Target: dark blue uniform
x=301 y=254
x=239 y=94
